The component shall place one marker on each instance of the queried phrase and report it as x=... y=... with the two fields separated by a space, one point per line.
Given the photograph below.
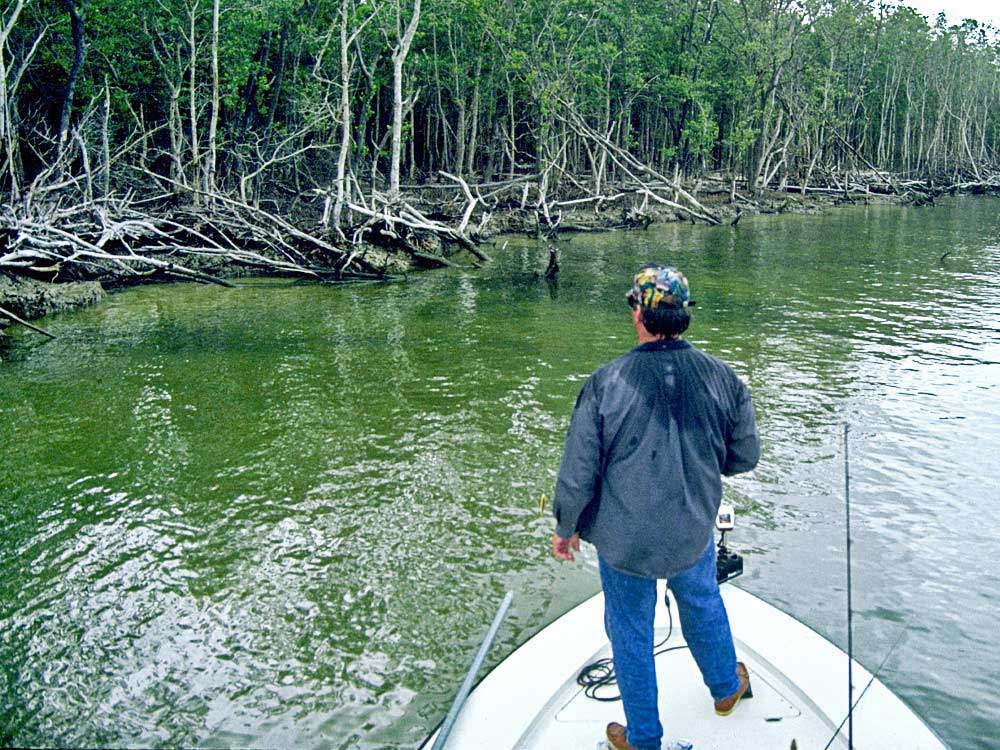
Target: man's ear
x=640 y=328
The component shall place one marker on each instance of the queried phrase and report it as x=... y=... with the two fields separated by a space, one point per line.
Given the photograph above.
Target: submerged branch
x=26 y=324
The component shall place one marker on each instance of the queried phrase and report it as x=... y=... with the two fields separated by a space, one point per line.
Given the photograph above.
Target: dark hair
x=666 y=320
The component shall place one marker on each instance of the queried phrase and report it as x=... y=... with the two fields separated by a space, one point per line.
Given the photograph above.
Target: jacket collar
x=662 y=344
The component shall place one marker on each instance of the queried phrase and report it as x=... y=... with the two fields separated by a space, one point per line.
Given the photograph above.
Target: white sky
x=982 y=10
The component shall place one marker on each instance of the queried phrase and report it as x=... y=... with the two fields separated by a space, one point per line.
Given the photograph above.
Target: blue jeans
x=629 y=605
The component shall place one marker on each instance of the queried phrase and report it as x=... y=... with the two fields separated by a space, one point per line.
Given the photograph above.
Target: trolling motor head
x=727 y=564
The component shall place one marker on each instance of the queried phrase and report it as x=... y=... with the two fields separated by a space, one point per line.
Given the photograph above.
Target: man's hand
x=564 y=548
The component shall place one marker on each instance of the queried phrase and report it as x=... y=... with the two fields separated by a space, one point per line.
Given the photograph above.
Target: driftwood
x=867 y=163
x=11 y=316
x=61 y=231
x=646 y=180
x=412 y=218
x=67 y=226
x=124 y=249
x=598 y=200
x=448 y=208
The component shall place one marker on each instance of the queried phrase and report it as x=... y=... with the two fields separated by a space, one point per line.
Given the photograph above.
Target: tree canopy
x=773 y=92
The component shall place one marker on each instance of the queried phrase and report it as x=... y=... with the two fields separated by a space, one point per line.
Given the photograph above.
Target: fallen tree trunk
x=26 y=324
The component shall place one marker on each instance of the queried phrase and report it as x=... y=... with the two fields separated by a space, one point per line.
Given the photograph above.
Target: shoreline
x=31 y=299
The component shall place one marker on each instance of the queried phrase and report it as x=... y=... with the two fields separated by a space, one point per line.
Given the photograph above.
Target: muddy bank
x=29 y=299
x=531 y=222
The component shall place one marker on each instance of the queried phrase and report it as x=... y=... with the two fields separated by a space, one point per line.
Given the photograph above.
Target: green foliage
x=700 y=83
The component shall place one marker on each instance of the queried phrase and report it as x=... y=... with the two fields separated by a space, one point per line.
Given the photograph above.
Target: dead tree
x=77 y=15
x=11 y=73
x=399 y=53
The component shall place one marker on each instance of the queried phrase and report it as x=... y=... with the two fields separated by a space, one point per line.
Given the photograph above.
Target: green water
x=283 y=515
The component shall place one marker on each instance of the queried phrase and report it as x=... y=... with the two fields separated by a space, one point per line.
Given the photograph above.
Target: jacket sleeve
x=579 y=474
x=743 y=448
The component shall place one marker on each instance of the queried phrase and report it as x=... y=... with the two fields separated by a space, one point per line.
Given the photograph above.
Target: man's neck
x=645 y=337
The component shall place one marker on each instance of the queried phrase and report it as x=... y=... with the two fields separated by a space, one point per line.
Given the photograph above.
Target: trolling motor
x=728 y=564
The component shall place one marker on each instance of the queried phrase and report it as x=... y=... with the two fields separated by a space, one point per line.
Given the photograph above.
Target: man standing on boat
x=641 y=479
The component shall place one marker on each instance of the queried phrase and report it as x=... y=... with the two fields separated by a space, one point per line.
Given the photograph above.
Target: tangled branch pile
x=66 y=228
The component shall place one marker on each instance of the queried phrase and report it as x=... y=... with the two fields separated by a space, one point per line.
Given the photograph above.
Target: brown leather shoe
x=618 y=736
x=725 y=706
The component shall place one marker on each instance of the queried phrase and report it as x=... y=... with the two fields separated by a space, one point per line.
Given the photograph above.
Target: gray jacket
x=651 y=435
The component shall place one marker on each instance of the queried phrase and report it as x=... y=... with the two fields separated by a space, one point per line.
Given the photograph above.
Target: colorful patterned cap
x=656 y=285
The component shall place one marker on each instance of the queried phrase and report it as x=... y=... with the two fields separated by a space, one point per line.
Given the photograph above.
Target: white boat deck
x=531 y=700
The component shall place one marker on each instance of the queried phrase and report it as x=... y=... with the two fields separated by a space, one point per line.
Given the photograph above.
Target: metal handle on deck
x=477 y=663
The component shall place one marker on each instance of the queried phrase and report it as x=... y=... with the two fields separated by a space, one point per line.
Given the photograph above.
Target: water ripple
x=283 y=516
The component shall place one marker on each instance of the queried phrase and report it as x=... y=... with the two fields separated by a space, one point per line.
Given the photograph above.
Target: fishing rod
x=850 y=611
x=852 y=702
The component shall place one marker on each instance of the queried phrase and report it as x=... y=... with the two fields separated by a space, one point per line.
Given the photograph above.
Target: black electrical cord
x=601 y=673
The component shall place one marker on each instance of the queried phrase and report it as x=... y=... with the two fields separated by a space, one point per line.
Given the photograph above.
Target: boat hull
x=531 y=701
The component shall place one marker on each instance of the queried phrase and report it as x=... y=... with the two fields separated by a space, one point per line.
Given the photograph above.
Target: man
x=651 y=435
